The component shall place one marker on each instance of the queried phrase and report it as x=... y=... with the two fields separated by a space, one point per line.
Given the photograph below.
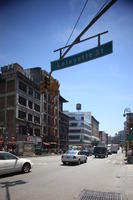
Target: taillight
x=74 y=157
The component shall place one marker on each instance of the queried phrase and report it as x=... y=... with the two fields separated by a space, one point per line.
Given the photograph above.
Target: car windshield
x=71 y=152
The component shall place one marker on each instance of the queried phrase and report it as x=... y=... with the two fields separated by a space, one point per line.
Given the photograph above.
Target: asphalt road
x=50 y=180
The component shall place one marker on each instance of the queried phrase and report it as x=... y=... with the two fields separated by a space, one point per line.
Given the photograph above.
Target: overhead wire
x=102 y=7
x=76 y=22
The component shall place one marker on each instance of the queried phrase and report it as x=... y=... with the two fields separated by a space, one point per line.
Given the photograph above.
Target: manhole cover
x=95 y=195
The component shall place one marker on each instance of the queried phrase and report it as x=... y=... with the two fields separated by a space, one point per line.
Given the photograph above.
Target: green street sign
x=84 y=56
x=129 y=137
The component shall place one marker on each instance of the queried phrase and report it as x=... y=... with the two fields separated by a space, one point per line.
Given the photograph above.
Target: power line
x=76 y=22
x=102 y=7
x=99 y=14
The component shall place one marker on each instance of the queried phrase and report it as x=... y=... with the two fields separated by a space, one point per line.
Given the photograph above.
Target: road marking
x=40 y=163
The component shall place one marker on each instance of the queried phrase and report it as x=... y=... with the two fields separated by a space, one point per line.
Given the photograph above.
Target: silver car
x=10 y=163
x=73 y=156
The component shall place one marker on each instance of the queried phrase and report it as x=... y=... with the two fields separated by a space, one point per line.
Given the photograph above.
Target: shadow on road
x=71 y=165
x=8 y=184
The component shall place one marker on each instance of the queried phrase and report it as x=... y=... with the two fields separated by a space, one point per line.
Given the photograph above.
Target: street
x=49 y=179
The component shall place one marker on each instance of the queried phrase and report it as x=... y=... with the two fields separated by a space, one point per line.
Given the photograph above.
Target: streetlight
x=126 y=111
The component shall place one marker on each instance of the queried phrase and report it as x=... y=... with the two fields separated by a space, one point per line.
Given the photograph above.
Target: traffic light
x=42 y=87
x=54 y=87
x=131 y=130
x=45 y=84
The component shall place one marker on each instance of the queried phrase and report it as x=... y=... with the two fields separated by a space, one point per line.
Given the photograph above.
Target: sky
x=30 y=30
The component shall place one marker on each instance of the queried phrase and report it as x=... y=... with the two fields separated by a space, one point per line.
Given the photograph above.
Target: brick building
x=63 y=126
x=25 y=112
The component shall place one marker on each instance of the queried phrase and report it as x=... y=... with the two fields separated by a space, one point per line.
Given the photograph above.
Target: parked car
x=10 y=163
x=86 y=152
x=73 y=156
x=100 y=151
x=114 y=148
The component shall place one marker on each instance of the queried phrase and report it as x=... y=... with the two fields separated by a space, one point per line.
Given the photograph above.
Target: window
x=30 y=117
x=75 y=131
x=30 y=104
x=45 y=97
x=6 y=156
x=37 y=119
x=21 y=114
x=37 y=107
x=37 y=95
x=74 y=137
x=72 y=118
x=22 y=130
x=45 y=118
x=22 y=101
x=30 y=131
x=31 y=91
x=37 y=132
x=22 y=86
x=73 y=124
x=45 y=107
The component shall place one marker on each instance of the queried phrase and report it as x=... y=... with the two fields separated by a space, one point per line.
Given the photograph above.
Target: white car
x=73 y=156
x=10 y=163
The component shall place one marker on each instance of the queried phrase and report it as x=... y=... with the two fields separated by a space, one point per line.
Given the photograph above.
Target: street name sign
x=82 y=57
x=130 y=137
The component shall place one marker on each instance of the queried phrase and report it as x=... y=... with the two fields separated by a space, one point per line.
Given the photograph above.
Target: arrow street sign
x=82 y=57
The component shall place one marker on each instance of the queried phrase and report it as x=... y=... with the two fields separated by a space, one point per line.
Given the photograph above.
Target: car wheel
x=26 y=168
x=64 y=163
x=86 y=160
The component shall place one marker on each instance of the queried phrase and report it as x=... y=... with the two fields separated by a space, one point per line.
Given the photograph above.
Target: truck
x=114 y=148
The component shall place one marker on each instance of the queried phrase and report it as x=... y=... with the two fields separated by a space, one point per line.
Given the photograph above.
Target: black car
x=100 y=151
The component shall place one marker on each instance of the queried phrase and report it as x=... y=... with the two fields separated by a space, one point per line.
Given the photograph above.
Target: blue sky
x=31 y=29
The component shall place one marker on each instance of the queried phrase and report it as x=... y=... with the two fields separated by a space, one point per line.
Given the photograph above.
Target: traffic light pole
x=94 y=36
x=78 y=38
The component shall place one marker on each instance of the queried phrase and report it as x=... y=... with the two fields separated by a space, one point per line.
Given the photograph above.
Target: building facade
x=80 y=134
x=25 y=112
x=95 y=130
x=103 y=137
x=63 y=126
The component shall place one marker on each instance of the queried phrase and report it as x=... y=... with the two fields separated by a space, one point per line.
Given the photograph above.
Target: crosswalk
x=115 y=162
x=43 y=161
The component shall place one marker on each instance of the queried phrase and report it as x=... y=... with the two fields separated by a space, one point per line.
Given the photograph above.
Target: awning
x=53 y=143
x=12 y=143
x=46 y=144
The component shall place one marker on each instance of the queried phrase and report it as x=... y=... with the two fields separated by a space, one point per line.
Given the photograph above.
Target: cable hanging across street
x=76 y=22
